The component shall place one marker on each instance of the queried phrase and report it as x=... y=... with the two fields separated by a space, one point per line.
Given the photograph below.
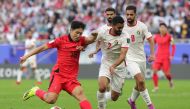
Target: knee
x=51 y=100
x=102 y=88
x=114 y=98
x=141 y=83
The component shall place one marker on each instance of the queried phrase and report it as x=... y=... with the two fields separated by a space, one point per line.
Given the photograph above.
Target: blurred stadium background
x=51 y=18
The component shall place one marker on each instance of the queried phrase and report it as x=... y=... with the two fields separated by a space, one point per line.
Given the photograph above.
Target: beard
x=118 y=32
x=109 y=20
x=130 y=21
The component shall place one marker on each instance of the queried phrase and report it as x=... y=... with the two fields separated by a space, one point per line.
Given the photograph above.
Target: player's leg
x=155 y=67
x=141 y=85
x=49 y=97
x=166 y=70
x=33 y=65
x=73 y=87
x=103 y=82
x=23 y=69
x=116 y=84
x=132 y=67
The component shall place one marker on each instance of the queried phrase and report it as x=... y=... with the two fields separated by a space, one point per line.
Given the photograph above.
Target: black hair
x=131 y=7
x=110 y=9
x=77 y=24
x=117 y=19
x=163 y=24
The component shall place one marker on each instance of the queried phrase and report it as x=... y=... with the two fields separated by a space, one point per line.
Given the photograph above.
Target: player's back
x=137 y=35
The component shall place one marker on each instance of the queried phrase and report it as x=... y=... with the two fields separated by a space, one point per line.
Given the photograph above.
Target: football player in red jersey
x=163 y=56
x=65 y=72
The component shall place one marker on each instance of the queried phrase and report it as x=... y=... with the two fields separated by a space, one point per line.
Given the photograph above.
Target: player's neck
x=111 y=32
x=163 y=34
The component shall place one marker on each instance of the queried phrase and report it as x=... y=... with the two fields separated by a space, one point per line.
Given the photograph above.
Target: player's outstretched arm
x=33 y=52
x=119 y=60
x=96 y=51
x=151 y=43
x=92 y=38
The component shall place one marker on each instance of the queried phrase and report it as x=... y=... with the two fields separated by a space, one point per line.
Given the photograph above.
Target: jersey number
x=133 y=38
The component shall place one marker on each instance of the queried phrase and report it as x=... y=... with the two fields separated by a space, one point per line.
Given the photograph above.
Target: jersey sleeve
x=147 y=34
x=125 y=41
x=54 y=43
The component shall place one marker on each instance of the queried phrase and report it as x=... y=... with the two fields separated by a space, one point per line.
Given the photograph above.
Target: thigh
x=166 y=65
x=133 y=68
x=70 y=85
x=104 y=70
x=78 y=93
x=117 y=83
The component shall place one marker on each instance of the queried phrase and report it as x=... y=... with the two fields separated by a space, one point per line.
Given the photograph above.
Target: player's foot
x=18 y=82
x=151 y=106
x=171 y=83
x=155 y=89
x=30 y=93
x=131 y=103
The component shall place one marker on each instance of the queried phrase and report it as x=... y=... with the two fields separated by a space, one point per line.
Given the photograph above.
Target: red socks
x=40 y=93
x=169 y=77
x=85 y=105
x=155 y=79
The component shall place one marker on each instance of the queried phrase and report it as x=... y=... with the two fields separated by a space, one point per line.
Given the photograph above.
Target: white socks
x=135 y=94
x=101 y=100
x=37 y=76
x=146 y=96
x=108 y=96
x=19 y=76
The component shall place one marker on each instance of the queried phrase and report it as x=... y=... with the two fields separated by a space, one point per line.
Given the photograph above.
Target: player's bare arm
x=96 y=51
x=33 y=52
x=119 y=60
x=151 y=43
x=92 y=38
x=173 y=48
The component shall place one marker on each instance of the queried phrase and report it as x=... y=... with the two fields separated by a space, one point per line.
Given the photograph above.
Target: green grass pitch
x=165 y=98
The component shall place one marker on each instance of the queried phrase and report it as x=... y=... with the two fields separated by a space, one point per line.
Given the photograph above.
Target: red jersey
x=163 y=45
x=68 y=55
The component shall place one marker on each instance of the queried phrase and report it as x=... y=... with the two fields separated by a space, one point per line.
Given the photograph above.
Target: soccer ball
x=55 y=107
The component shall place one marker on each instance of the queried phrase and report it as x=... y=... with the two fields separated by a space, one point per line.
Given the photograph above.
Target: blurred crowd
x=49 y=19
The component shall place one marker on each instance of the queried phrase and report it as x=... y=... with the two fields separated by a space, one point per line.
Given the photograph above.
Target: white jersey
x=137 y=35
x=28 y=43
x=111 y=45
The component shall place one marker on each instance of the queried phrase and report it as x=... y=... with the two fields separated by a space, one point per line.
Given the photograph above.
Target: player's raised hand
x=22 y=59
x=112 y=70
x=151 y=58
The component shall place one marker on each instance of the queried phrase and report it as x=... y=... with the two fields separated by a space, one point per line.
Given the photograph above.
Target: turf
x=165 y=98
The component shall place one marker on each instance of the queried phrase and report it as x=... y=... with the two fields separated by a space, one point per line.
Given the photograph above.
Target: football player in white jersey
x=30 y=44
x=110 y=13
x=136 y=59
x=114 y=44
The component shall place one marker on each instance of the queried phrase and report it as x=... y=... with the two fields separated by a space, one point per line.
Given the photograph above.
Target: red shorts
x=162 y=64
x=58 y=83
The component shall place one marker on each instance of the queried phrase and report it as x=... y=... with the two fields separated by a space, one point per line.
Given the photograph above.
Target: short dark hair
x=163 y=24
x=77 y=24
x=110 y=9
x=117 y=19
x=131 y=7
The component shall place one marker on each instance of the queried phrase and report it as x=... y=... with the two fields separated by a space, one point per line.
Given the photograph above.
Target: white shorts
x=135 y=67
x=117 y=80
x=30 y=61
